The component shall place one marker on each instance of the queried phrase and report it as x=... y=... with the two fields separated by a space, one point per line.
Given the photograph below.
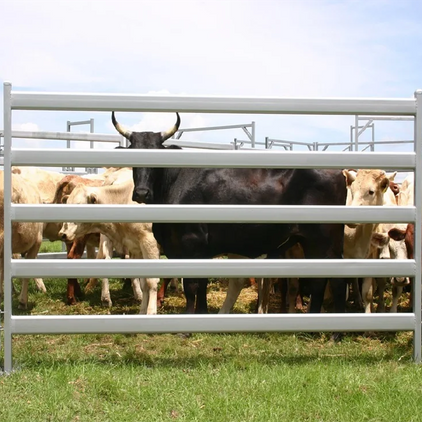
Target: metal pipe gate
x=185 y=213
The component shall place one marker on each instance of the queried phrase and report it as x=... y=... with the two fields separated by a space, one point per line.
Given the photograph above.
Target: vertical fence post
x=7 y=247
x=417 y=338
x=253 y=135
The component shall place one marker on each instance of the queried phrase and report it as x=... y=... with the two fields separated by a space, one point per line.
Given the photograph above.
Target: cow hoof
x=71 y=301
x=184 y=335
x=22 y=306
x=106 y=303
x=337 y=337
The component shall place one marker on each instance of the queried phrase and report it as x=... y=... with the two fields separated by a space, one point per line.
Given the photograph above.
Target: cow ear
x=397 y=234
x=391 y=176
x=350 y=176
x=64 y=199
x=92 y=198
x=385 y=184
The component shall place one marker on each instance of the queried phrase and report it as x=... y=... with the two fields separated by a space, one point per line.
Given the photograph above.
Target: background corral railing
x=205 y=268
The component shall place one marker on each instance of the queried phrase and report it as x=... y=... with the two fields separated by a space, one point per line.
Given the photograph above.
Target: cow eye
x=371 y=192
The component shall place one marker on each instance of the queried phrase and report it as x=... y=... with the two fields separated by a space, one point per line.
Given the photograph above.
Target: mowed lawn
x=205 y=377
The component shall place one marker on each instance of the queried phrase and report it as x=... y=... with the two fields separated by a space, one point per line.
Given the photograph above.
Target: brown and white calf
x=76 y=248
x=384 y=246
x=403 y=233
x=134 y=239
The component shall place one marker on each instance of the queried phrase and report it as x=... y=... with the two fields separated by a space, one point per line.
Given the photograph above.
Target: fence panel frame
x=143 y=323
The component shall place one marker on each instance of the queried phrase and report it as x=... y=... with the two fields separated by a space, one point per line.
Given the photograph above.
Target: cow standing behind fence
x=239 y=186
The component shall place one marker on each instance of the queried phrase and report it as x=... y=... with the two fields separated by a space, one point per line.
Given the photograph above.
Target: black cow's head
x=143 y=178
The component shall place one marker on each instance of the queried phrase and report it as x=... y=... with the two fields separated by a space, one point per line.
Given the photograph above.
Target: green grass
x=205 y=377
x=47 y=246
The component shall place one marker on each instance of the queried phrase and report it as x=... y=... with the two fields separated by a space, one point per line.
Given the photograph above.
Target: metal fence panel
x=211 y=323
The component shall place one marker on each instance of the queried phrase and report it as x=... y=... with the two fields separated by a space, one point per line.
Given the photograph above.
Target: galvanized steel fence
x=31 y=324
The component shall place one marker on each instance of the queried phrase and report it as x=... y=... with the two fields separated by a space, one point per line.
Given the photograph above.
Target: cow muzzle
x=64 y=237
x=141 y=195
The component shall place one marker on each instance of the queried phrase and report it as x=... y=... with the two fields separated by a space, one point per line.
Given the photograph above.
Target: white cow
x=364 y=188
x=134 y=239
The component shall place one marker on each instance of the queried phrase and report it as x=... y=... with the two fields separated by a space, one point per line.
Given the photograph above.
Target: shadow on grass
x=195 y=352
x=220 y=359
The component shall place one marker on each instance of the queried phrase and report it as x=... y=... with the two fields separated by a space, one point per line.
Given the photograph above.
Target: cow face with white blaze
x=391 y=248
x=143 y=178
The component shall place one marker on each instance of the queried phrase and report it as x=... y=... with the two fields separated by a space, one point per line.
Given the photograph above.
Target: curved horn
x=173 y=130
x=121 y=129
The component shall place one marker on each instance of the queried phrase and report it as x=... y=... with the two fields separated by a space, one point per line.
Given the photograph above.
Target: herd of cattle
x=102 y=240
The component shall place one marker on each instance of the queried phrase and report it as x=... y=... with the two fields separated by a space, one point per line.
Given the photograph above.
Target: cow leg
x=283 y=282
x=149 y=250
x=162 y=292
x=40 y=285
x=75 y=250
x=190 y=288
x=149 y=299
x=264 y=286
x=367 y=294
x=381 y=285
x=317 y=290
x=31 y=254
x=23 y=297
x=357 y=296
x=196 y=294
x=91 y=254
x=14 y=256
x=299 y=300
x=70 y=291
x=339 y=292
x=201 y=297
x=92 y=283
x=233 y=291
x=397 y=291
x=138 y=285
x=105 y=251
x=293 y=293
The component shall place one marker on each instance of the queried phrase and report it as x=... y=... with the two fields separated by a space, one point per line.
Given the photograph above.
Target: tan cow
x=364 y=188
x=134 y=239
x=26 y=237
x=76 y=248
x=45 y=180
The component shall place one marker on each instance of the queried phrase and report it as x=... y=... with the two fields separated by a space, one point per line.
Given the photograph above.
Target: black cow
x=239 y=186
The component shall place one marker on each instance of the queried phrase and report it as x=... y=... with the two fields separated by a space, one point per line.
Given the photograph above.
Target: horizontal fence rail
x=198 y=104
x=214 y=159
x=203 y=268
x=309 y=268
x=91 y=324
x=212 y=213
x=65 y=136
